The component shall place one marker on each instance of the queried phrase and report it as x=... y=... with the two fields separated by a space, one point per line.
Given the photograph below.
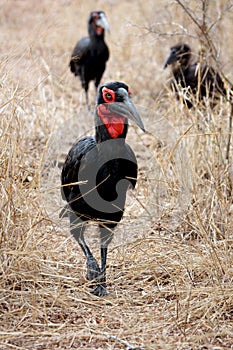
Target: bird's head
x=180 y=53
x=97 y=23
x=114 y=108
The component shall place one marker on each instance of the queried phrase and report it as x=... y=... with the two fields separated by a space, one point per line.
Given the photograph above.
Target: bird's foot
x=93 y=270
x=97 y=278
x=100 y=290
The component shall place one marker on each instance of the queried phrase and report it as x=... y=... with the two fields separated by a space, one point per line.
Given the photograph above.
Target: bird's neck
x=185 y=62
x=109 y=126
x=109 y=148
x=180 y=69
x=102 y=135
x=96 y=38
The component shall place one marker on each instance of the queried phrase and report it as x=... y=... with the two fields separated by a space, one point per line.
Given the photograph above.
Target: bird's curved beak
x=171 y=59
x=102 y=22
x=126 y=109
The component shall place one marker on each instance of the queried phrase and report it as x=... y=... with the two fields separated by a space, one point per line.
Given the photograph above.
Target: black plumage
x=198 y=79
x=89 y=57
x=104 y=167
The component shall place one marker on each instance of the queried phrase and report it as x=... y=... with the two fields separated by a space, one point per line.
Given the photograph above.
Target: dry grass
x=170 y=265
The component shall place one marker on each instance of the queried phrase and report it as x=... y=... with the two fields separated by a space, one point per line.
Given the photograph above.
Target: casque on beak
x=102 y=22
x=126 y=109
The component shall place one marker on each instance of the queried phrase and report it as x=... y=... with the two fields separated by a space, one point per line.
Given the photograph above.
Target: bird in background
x=201 y=80
x=89 y=57
x=97 y=173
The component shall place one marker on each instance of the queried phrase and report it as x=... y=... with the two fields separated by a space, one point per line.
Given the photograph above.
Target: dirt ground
x=170 y=268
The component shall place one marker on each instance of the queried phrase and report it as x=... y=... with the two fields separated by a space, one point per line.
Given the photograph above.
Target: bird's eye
x=108 y=95
x=95 y=15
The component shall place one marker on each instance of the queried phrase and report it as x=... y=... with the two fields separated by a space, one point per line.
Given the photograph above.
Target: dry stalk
x=170 y=264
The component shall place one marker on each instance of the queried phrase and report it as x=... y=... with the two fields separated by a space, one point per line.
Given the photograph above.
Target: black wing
x=72 y=164
x=132 y=170
x=212 y=80
x=79 y=54
x=192 y=77
x=99 y=197
x=209 y=78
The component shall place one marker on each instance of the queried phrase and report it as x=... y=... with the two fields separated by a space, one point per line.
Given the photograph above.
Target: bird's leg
x=106 y=236
x=104 y=251
x=87 y=100
x=97 y=81
x=86 y=86
x=77 y=228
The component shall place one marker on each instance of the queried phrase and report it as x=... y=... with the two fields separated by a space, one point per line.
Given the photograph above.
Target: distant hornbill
x=202 y=80
x=90 y=54
x=97 y=173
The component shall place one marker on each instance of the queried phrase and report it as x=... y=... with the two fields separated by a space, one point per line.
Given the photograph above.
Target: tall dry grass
x=170 y=264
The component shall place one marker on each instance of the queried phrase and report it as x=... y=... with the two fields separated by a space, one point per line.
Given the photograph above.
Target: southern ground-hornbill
x=89 y=57
x=200 y=80
x=97 y=173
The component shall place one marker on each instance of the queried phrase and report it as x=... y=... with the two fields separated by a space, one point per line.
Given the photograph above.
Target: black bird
x=97 y=173
x=199 y=79
x=89 y=57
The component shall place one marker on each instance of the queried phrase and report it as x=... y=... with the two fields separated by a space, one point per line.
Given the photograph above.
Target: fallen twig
x=127 y=344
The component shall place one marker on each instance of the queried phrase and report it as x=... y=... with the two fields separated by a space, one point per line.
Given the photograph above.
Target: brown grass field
x=170 y=265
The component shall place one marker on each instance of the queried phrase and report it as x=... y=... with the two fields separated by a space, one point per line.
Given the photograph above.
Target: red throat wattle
x=99 y=30
x=114 y=123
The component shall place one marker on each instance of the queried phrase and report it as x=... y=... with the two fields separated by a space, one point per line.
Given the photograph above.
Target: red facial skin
x=114 y=123
x=99 y=30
